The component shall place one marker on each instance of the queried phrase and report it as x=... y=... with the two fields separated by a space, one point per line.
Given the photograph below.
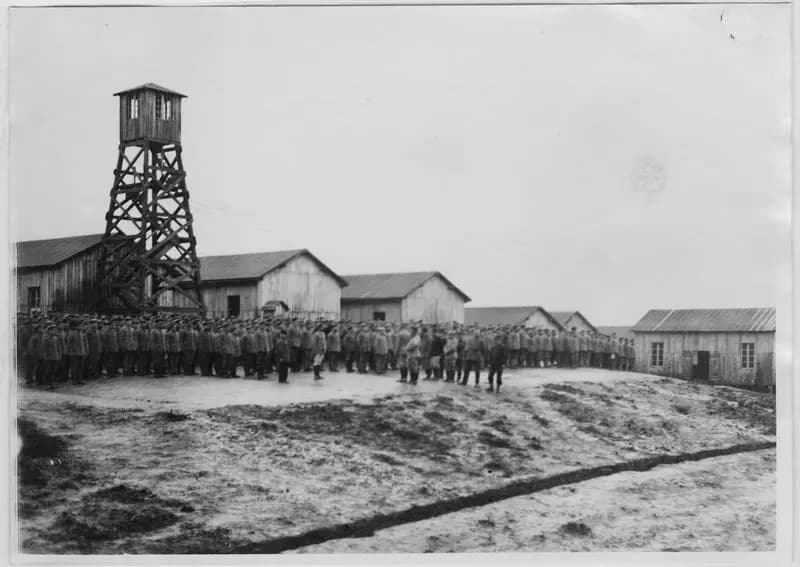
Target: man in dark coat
x=497 y=357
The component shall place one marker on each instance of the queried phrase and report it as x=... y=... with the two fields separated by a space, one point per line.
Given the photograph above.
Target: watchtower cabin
x=150 y=112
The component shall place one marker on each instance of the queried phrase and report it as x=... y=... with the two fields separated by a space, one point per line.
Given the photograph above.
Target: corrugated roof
x=751 y=320
x=253 y=266
x=486 y=316
x=151 y=86
x=52 y=251
x=563 y=316
x=367 y=287
x=619 y=330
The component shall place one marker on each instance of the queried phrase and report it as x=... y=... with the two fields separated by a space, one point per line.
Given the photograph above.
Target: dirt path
x=197 y=392
x=721 y=504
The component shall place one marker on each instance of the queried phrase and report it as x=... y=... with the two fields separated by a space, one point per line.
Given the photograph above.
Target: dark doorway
x=379 y=315
x=703 y=365
x=233 y=306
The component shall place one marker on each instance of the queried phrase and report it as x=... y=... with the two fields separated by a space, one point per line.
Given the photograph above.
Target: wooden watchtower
x=148 y=251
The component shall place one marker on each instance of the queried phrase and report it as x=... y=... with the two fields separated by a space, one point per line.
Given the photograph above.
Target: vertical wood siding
x=433 y=302
x=148 y=125
x=66 y=287
x=363 y=311
x=680 y=355
x=304 y=287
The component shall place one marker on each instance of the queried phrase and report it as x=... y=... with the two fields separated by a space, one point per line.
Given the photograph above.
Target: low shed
x=409 y=296
x=573 y=321
x=532 y=317
x=732 y=346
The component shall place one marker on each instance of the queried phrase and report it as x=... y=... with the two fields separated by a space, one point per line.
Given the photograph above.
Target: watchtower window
x=133 y=107
x=163 y=107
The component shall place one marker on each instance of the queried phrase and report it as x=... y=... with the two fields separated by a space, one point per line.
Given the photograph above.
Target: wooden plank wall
x=66 y=287
x=680 y=350
x=307 y=289
x=539 y=321
x=433 y=302
x=363 y=311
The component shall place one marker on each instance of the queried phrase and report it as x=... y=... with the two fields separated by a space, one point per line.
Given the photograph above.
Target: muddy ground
x=95 y=478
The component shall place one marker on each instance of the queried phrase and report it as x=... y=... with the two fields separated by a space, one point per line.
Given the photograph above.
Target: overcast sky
x=609 y=159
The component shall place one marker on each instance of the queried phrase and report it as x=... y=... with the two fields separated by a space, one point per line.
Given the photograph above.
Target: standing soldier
x=460 y=345
x=34 y=351
x=248 y=346
x=188 y=339
x=220 y=344
x=472 y=361
x=74 y=351
x=234 y=344
x=403 y=337
x=391 y=340
x=334 y=349
x=158 y=348
x=262 y=350
x=204 y=350
x=515 y=344
x=143 y=348
x=51 y=354
x=293 y=337
x=547 y=348
x=128 y=345
x=305 y=346
x=110 y=348
x=318 y=349
x=425 y=352
x=497 y=356
x=450 y=356
x=363 y=348
x=94 y=368
x=436 y=353
x=524 y=348
x=413 y=354
x=349 y=347
x=380 y=351
x=283 y=355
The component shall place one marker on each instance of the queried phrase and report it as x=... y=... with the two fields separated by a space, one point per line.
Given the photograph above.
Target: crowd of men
x=73 y=348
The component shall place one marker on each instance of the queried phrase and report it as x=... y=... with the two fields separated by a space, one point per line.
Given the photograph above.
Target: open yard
x=197 y=465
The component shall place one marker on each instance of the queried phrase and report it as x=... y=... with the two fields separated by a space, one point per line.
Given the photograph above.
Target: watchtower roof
x=152 y=87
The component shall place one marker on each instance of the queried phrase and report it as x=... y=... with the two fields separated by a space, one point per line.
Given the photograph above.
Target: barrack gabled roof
x=563 y=316
x=53 y=251
x=152 y=87
x=369 y=287
x=248 y=267
x=751 y=320
x=505 y=315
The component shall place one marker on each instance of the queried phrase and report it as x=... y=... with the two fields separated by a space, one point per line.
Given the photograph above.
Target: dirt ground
x=191 y=465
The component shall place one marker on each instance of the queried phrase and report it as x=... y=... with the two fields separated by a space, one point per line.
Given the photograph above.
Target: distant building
x=573 y=321
x=411 y=296
x=531 y=317
x=733 y=346
x=57 y=274
x=620 y=331
x=291 y=282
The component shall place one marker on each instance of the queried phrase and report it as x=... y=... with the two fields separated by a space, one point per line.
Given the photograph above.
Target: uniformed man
x=318 y=350
x=188 y=339
x=413 y=354
x=349 y=348
x=293 y=338
x=334 y=349
x=450 y=356
x=403 y=337
x=283 y=356
x=380 y=351
x=75 y=351
x=473 y=356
